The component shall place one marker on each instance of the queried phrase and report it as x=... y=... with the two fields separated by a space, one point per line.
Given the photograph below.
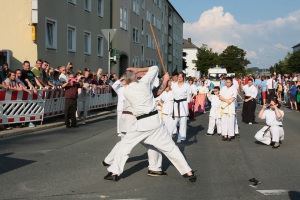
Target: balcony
x=170 y=40
x=170 y=21
x=170 y=58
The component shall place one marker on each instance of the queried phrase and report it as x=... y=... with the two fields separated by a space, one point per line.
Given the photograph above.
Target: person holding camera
x=273 y=132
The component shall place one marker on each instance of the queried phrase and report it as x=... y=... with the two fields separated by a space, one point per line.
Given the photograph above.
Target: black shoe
x=193 y=177
x=75 y=126
x=207 y=134
x=111 y=177
x=104 y=164
x=229 y=139
x=156 y=173
x=224 y=138
x=219 y=135
x=237 y=135
x=275 y=147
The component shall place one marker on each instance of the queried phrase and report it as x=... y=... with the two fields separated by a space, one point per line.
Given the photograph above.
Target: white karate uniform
x=183 y=92
x=167 y=110
x=202 y=89
x=149 y=129
x=119 y=89
x=228 y=113
x=126 y=121
x=214 y=114
x=276 y=133
x=194 y=89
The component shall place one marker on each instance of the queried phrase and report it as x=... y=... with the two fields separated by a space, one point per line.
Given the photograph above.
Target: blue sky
x=266 y=29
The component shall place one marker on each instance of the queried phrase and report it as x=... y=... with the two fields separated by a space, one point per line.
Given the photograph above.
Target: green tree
x=294 y=62
x=206 y=58
x=282 y=66
x=233 y=58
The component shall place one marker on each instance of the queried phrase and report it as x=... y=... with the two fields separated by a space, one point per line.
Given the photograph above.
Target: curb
x=27 y=130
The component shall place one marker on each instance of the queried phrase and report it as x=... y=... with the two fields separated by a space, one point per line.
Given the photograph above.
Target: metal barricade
x=19 y=106
x=54 y=103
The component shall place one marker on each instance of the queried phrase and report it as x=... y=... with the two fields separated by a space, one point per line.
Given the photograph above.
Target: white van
x=215 y=73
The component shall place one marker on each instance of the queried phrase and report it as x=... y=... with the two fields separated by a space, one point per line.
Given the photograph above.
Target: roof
x=296 y=45
x=187 y=44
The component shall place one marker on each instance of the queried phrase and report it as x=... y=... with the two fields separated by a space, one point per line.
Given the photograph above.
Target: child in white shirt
x=214 y=115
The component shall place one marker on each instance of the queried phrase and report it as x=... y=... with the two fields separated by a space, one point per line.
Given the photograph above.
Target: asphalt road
x=64 y=164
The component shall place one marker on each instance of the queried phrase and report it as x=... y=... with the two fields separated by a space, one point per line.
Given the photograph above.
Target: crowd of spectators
x=44 y=77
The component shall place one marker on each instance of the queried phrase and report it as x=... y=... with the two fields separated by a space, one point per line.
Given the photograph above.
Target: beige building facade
x=62 y=31
x=58 y=31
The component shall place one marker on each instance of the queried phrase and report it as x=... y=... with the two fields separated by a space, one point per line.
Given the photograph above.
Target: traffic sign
x=109 y=34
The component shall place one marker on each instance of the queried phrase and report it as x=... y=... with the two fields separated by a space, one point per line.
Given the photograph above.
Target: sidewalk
x=51 y=123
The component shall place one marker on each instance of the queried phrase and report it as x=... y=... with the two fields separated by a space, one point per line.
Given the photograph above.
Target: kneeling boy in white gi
x=214 y=114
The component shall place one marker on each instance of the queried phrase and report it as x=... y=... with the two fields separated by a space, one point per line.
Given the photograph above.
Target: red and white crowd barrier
x=54 y=103
x=18 y=107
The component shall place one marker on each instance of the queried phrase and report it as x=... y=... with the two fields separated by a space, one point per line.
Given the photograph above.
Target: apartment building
x=60 y=31
x=190 y=50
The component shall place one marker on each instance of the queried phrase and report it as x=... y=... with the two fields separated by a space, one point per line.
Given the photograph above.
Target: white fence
x=18 y=107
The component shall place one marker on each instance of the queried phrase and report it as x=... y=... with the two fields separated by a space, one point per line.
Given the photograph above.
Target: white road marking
x=273 y=192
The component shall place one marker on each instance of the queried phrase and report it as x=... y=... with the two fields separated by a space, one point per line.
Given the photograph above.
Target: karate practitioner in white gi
x=166 y=101
x=182 y=95
x=214 y=114
x=126 y=120
x=119 y=86
x=228 y=95
x=148 y=127
x=273 y=132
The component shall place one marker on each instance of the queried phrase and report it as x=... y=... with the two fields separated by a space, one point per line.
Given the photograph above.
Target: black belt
x=127 y=112
x=178 y=106
x=71 y=98
x=269 y=128
x=147 y=115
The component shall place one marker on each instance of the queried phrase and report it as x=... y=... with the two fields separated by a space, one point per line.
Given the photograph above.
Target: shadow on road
x=8 y=164
x=294 y=195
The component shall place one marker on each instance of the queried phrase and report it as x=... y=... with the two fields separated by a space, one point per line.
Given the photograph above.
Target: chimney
x=189 y=40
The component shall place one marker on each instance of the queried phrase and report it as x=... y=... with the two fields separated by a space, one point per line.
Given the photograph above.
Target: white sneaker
x=83 y=123
x=250 y=123
x=178 y=141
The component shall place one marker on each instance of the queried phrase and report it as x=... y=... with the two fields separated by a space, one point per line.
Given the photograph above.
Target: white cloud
x=218 y=29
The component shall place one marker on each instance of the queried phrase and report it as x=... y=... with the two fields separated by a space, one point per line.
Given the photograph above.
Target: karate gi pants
x=212 y=123
x=119 y=114
x=154 y=156
x=227 y=123
x=159 y=138
x=169 y=124
x=182 y=126
x=275 y=133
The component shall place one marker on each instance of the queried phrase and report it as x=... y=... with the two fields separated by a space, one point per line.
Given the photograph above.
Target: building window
x=135 y=35
x=135 y=61
x=149 y=15
x=153 y=20
x=71 y=38
x=136 y=6
x=72 y=1
x=143 y=53
x=123 y=17
x=155 y=1
x=87 y=43
x=87 y=5
x=100 y=45
x=100 y=8
x=143 y=24
x=51 y=33
x=159 y=3
x=143 y=4
x=149 y=40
